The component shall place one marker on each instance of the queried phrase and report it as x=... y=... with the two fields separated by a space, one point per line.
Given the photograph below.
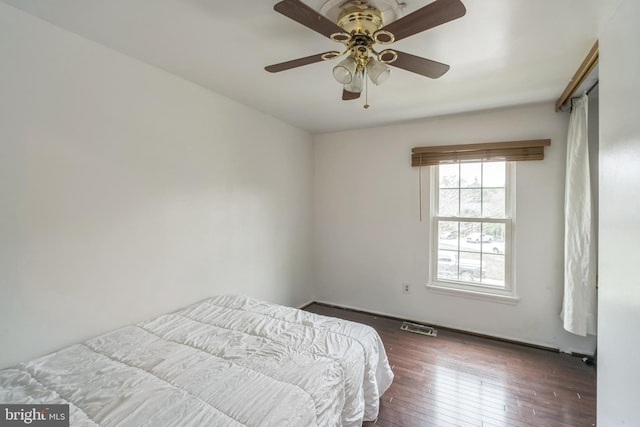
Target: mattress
x=225 y=361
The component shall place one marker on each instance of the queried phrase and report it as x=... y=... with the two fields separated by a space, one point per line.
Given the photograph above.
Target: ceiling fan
x=359 y=27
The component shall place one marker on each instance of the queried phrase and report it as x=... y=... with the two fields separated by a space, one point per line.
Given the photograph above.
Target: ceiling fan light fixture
x=345 y=70
x=357 y=82
x=377 y=71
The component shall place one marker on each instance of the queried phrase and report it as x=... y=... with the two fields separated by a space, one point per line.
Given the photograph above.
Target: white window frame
x=468 y=288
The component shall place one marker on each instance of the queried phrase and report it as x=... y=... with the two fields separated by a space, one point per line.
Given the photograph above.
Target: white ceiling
x=501 y=53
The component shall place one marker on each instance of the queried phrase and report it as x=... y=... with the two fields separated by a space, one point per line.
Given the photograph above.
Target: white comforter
x=226 y=361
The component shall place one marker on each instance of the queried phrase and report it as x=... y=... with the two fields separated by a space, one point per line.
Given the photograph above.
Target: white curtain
x=580 y=300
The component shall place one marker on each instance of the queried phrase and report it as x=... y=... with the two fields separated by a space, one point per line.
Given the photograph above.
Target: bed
x=225 y=361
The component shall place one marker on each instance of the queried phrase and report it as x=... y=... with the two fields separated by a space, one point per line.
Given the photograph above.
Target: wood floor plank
x=462 y=380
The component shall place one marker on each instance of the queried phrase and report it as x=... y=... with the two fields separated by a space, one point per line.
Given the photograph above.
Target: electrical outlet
x=406 y=288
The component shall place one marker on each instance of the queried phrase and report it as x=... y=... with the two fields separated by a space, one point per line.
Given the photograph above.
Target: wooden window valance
x=490 y=151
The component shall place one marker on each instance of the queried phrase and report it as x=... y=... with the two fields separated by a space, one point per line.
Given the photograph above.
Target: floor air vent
x=419 y=329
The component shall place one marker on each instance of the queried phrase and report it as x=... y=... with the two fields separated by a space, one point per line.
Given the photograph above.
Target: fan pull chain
x=366 y=91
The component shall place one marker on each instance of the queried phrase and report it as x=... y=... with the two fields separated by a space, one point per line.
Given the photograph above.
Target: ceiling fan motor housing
x=390 y=10
x=359 y=20
x=361 y=23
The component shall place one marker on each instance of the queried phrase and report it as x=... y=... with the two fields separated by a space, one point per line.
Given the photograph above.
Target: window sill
x=503 y=299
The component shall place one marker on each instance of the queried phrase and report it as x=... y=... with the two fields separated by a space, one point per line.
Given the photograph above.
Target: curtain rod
x=587 y=92
x=583 y=71
x=593 y=86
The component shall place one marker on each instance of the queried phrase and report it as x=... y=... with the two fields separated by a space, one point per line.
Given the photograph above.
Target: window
x=472 y=228
x=472 y=214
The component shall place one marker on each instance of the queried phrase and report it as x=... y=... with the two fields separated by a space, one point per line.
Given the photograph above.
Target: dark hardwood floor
x=457 y=379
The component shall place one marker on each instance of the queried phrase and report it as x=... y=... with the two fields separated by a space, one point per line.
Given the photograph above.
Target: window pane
x=493 y=203
x=494 y=235
x=470 y=267
x=494 y=270
x=449 y=203
x=448 y=265
x=470 y=175
x=449 y=176
x=493 y=174
x=470 y=202
x=470 y=236
x=448 y=235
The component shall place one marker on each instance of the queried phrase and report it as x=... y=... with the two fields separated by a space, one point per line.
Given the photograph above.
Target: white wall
x=127 y=192
x=368 y=239
x=619 y=299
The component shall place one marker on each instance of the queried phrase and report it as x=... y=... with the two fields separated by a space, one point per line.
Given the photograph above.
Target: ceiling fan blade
x=348 y=96
x=276 y=68
x=418 y=65
x=434 y=14
x=303 y=14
